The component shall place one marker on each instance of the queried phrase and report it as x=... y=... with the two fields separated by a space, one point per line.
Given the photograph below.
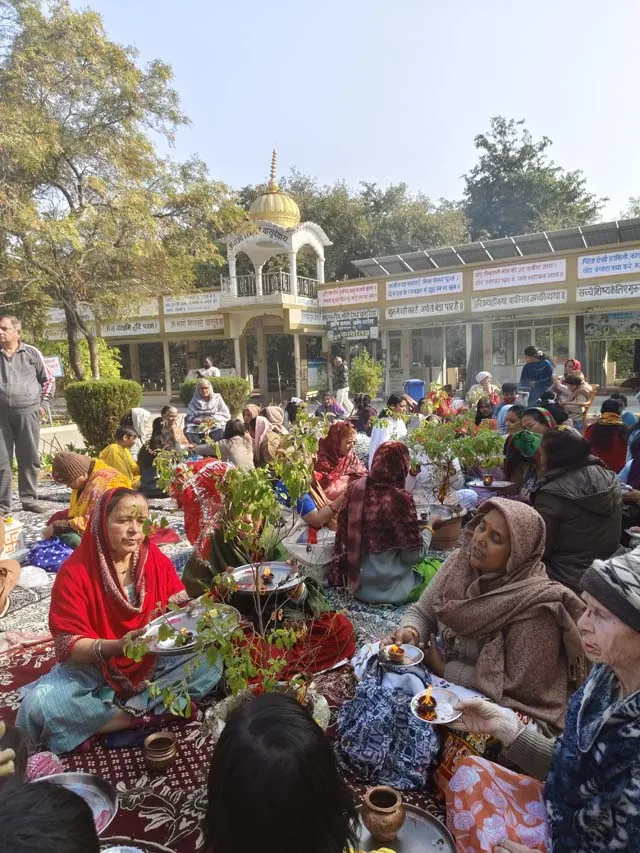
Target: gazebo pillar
x=293 y=272
x=319 y=269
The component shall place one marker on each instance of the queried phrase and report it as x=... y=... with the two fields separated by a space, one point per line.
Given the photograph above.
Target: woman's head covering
x=378 y=515
x=572 y=365
x=263 y=426
x=253 y=411
x=484 y=374
x=329 y=446
x=275 y=416
x=526 y=442
x=67 y=467
x=140 y=421
x=615 y=583
x=199 y=405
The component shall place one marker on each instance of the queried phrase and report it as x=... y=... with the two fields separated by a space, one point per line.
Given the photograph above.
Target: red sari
x=87 y=600
x=333 y=472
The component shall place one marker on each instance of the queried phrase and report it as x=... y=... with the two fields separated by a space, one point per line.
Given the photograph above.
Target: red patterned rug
x=166 y=809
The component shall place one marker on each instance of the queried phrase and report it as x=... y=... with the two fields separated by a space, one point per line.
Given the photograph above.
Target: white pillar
x=572 y=336
x=237 y=357
x=167 y=368
x=296 y=361
x=293 y=272
x=259 y=280
x=231 y=260
x=320 y=269
x=384 y=342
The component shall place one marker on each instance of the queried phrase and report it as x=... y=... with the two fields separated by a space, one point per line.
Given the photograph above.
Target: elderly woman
x=580 y=501
x=495 y=623
x=484 y=387
x=105 y=593
x=591 y=800
x=378 y=541
x=170 y=432
x=88 y=480
x=206 y=407
x=608 y=436
x=336 y=463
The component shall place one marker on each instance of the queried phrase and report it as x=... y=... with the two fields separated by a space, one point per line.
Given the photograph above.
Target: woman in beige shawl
x=495 y=623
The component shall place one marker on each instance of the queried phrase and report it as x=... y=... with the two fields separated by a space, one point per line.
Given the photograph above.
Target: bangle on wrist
x=415 y=633
x=97 y=650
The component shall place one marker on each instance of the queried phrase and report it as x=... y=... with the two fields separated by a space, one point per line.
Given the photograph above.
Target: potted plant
x=439 y=446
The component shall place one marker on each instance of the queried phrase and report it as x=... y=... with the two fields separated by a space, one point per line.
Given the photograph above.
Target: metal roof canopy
x=503 y=248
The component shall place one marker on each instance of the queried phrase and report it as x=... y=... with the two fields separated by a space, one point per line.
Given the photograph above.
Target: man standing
x=206 y=371
x=341 y=384
x=26 y=386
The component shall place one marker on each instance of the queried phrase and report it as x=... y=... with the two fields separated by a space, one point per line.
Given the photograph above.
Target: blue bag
x=49 y=554
x=380 y=740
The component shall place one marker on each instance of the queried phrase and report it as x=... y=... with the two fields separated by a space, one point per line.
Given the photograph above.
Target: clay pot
x=383 y=813
x=160 y=750
x=447 y=537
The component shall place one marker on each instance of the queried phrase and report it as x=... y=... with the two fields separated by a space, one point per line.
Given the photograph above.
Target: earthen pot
x=383 y=813
x=160 y=750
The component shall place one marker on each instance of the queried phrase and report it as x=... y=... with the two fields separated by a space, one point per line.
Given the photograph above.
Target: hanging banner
x=619 y=290
x=520 y=275
x=192 y=303
x=430 y=285
x=214 y=323
x=505 y=302
x=352 y=325
x=425 y=309
x=348 y=295
x=612 y=325
x=609 y=263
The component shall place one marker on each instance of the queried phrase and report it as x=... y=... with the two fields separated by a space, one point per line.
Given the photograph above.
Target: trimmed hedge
x=234 y=391
x=98 y=405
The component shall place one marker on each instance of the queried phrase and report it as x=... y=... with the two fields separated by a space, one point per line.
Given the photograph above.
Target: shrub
x=98 y=405
x=234 y=391
x=365 y=375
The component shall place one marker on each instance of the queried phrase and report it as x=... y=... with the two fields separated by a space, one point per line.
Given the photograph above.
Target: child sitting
x=118 y=455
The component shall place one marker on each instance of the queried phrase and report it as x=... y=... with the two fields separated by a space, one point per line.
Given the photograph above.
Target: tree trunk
x=72 y=337
x=93 y=355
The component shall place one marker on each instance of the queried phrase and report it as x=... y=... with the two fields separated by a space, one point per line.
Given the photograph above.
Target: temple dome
x=274 y=205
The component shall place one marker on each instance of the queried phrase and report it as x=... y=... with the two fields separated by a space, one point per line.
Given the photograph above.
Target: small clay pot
x=160 y=750
x=383 y=813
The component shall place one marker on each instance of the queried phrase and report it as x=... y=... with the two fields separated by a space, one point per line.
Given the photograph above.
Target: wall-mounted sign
x=214 y=323
x=352 y=325
x=430 y=285
x=311 y=318
x=609 y=263
x=619 y=290
x=192 y=303
x=272 y=232
x=425 y=309
x=612 y=325
x=508 y=301
x=348 y=295
x=56 y=315
x=520 y=275
x=132 y=329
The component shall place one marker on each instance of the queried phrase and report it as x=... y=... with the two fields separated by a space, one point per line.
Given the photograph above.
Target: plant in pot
x=253 y=652
x=444 y=449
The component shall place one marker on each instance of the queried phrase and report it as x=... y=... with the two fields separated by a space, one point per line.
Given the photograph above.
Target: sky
x=395 y=90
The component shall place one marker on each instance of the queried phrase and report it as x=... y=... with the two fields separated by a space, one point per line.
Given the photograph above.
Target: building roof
x=504 y=248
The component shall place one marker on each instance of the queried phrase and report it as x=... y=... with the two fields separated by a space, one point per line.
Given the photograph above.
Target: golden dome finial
x=273 y=186
x=273 y=205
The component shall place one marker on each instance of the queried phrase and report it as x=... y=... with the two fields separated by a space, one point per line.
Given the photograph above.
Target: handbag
x=379 y=739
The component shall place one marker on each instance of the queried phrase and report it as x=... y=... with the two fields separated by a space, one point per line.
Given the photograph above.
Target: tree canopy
x=515 y=188
x=89 y=212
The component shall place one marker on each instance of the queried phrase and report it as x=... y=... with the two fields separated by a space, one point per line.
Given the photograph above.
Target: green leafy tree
x=367 y=221
x=109 y=358
x=89 y=212
x=365 y=375
x=515 y=188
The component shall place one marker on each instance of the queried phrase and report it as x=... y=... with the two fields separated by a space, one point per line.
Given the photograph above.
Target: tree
x=368 y=221
x=632 y=210
x=514 y=188
x=89 y=212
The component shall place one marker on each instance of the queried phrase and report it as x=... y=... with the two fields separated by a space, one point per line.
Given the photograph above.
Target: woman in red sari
x=107 y=592
x=336 y=464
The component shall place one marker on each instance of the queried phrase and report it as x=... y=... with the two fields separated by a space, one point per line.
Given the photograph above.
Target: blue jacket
x=537 y=376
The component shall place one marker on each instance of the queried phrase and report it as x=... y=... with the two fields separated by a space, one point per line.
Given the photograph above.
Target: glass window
x=543 y=338
x=395 y=352
x=455 y=346
x=125 y=360
x=523 y=340
x=151 y=360
x=178 y=359
x=503 y=346
x=427 y=347
x=560 y=348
